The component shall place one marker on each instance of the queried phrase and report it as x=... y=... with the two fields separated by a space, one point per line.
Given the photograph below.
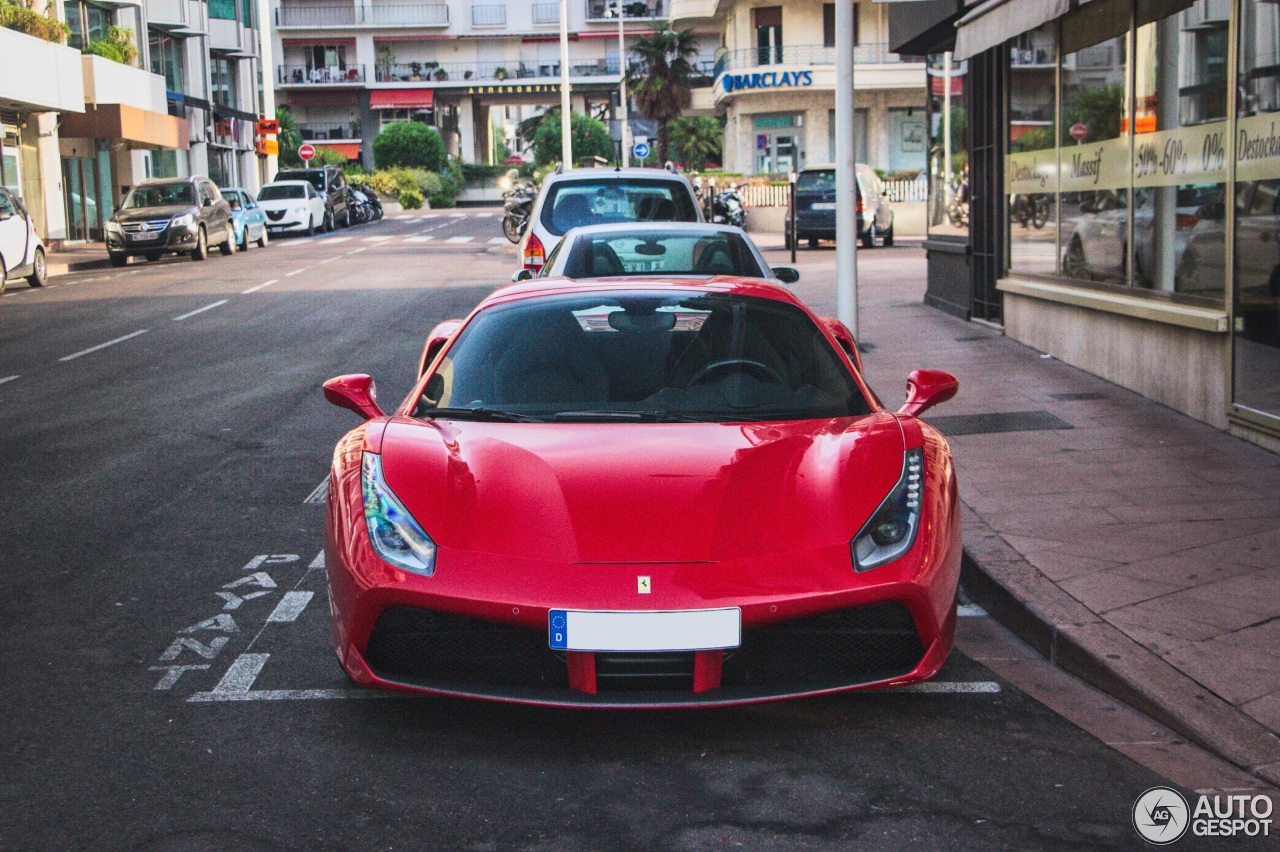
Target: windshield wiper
x=480 y=413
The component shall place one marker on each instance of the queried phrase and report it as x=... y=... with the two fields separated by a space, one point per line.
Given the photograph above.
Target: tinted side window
x=6 y=206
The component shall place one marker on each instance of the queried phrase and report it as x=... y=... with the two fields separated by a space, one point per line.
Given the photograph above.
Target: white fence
x=776 y=195
x=906 y=190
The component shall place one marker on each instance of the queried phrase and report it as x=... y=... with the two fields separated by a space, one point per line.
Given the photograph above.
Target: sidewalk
x=1133 y=546
x=78 y=258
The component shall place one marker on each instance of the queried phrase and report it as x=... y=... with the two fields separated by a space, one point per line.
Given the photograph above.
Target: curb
x=1078 y=641
x=57 y=267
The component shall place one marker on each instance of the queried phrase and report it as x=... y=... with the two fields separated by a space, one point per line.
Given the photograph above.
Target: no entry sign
x=1078 y=131
x=306 y=152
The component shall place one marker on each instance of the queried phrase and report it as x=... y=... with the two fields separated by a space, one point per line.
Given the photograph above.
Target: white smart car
x=21 y=252
x=292 y=206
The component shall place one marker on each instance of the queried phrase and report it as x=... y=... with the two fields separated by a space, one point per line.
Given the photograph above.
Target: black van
x=816 y=207
x=331 y=183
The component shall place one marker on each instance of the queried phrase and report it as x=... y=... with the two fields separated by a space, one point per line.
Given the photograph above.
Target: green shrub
x=117 y=45
x=290 y=139
x=452 y=181
x=411 y=199
x=590 y=138
x=25 y=19
x=411 y=144
x=328 y=157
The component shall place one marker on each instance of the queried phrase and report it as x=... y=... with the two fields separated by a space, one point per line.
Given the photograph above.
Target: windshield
x=604 y=201
x=662 y=253
x=161 y=195
x=271 y=192
x=315 y=177
x=642 y=356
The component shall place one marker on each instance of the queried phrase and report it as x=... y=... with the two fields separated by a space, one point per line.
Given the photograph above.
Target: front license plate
x=675 y=630
x=142 y=238
x=824 y=205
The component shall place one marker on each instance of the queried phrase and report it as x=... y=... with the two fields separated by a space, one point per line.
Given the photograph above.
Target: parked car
x=661 y=249
x=331 y=183
x=292 y=206
x=170 y=216
x=816 y=207
x=581 y=197
x=248 y=219
x=21 y=251
x=784 y=534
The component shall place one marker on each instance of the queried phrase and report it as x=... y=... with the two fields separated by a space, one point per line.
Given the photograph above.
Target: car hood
x=150 y=214
x=642 y=492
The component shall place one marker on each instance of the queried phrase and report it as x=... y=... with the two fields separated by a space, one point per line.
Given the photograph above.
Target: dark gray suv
x=170 y=216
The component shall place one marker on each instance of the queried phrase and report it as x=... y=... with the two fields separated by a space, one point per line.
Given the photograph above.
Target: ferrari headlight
x=893 y=526
x=395 y=535
x=182 y=221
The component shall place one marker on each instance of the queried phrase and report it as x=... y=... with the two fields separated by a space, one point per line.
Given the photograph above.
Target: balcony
x=36 y=74
x=309 y=15
x=875 y=53
x=546 y=13
x=608 y=11
x=309 y=75
x=344 y=131
x=490 y=72
x=489 y=15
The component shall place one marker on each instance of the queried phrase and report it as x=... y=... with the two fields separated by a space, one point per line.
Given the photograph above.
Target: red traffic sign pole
x=306 y=152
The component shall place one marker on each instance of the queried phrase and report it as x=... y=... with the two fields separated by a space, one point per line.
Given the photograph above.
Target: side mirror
x=927 y=388
x=786 y=274
x=521 y=275
x=844 y=337
x=436 y=340
x=355 y=392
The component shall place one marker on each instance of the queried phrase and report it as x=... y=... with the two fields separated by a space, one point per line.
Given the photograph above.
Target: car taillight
x=534 y=254
x=862 y=206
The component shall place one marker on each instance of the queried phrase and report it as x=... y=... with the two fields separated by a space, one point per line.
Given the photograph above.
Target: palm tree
x=660 y=80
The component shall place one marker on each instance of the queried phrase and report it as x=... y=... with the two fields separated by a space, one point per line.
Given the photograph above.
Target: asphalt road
x=168 y=678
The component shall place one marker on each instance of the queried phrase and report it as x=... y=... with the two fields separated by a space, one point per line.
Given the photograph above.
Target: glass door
x=10 y=177
x=777 y=144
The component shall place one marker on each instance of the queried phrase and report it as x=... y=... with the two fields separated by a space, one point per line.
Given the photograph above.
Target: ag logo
x=643 y=585
x=1161 y=815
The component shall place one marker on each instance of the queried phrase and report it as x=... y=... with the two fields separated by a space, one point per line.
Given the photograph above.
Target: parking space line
x=459 y=239
x=259 y=287
x=356 y=251
x=296 y=272
x=418 y=239
x=8 y=379
x=497 y=241
x=209 y=307
x=75 y=355
x=331 y=240
x=292 y=695
x=970 y=611
x=290 y=606
x=318 y=494
x=971 y=687
x=331 y=259
x=483 y=215
x=376 y=239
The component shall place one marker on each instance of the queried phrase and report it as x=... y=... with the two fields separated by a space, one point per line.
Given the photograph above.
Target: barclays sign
x=768 y=80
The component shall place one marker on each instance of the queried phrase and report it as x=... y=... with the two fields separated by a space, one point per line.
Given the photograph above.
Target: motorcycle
x=373 y=206
x=1030 y=209
x=727 y=208
x=517 y=206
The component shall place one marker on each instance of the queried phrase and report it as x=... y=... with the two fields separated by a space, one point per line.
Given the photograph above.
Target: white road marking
x=497 y=241
x=290 y=606
x=971 y=687
x=331 y=259
x=376 y=239
x=259 y=287
x=210 y=307
x=243 y=672
x=457 y=215
x=75 y=355
x=319 y=493
x=331 y=240
x=418 y=239
x=296 y=272
x=172 y=673
x=970 y=611
x=7 y=379
x=483 y=215
x=459 y=239
x=356 y=251
x=291 y=695
x=318 y=562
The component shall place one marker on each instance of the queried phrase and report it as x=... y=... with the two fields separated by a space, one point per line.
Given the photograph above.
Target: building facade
x=347 y=69
x=1121 y=176
x=151 y=88
x=774 y=83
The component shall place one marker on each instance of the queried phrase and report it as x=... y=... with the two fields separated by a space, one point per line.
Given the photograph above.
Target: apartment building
x=774 y=81
x=349 y=68
x=141 y=89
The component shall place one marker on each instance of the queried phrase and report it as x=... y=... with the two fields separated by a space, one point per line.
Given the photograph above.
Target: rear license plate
x=824 y=205
x=675 y=630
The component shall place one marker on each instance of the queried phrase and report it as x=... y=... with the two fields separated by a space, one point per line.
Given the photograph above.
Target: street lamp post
x=566 y=135
x=846 y=174
x=622 y=86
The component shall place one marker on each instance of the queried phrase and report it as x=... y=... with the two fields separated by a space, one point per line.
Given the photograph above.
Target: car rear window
x=315 y=177
x=603 y=201
x=276 y=193
x=661 y=253
x=823 y=180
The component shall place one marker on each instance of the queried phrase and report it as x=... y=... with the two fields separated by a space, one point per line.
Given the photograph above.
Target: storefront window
x=1031 y=173
x=224 y=80
x=948 y=152
x=1094 y=160
x=1256 y=340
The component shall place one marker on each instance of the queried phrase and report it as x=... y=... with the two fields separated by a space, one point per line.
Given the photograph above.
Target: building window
x=948 y=214
x=829 y=24
x=88 y=23
x=768 y=24
x=222 y=10
x=167 y=53
x=1031 y=173
x=224 y=79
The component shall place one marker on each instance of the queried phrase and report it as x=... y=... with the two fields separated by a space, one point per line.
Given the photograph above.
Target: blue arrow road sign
x=640 y=151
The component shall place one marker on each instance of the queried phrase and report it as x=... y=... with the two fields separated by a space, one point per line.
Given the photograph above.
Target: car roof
x=286 y=183
x=598 y=174
x=728 y=284
x=160 y=181
x=647 y=227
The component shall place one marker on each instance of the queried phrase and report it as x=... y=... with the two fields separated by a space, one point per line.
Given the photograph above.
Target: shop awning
x=996 y=21
x=401 y=98
x=141 y=127
x=350 y=150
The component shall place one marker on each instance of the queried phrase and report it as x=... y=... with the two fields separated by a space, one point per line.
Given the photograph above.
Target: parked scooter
x=1030 y=209
x=517 y=204
x=727 y=208
x=373 y=206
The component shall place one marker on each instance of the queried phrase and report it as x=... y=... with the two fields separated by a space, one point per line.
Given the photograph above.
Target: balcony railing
x=491 y=71
x=324 y=132
x=311 y=75
x=546 y=13
x=489 y=15
x=407 y=15
x=640 y=10
x=876 y=53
